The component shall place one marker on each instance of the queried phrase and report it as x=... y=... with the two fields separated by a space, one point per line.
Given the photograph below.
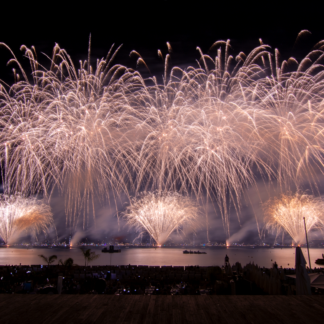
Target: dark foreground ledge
x=160 y=309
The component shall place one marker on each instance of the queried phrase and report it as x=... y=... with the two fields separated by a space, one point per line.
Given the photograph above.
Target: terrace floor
x=160 y=309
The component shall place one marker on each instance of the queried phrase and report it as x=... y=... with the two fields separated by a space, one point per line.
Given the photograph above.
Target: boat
x=193 y=252
x=320 y=261
x=110 y=250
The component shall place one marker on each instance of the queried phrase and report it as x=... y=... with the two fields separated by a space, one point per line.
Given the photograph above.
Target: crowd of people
x=67 y=278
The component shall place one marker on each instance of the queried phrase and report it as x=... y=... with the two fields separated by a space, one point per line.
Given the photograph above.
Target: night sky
x=146 y=26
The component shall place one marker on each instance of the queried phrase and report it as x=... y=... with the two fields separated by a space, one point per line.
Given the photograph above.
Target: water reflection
x=162 y=256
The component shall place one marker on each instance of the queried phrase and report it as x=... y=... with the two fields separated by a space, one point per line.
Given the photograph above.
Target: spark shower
x=162 y=214
x=206 y=131
x=287 y=214
x=18 y=214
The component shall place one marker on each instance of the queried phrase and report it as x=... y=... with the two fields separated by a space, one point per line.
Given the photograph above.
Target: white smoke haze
x=243 y=233
x=76 y=238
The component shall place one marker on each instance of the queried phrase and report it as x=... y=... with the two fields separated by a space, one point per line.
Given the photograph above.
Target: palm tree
x=89 y=255
x=66 y=263
x=48 y=260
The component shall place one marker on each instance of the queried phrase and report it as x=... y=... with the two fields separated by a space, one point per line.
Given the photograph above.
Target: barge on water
x=320 y=262
x=193 y=252
x=110 y=250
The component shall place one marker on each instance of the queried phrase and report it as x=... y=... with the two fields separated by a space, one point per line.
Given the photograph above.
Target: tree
x=89 y=255
x=66 y=263
x=48 y=260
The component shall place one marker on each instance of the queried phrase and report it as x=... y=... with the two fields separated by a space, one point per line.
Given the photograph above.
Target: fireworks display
x=288 y=212
x=209 y=131
x=18 y=214
x=162 y=214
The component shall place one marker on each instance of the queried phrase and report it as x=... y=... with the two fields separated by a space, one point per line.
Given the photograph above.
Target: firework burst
x=288 y=212
x=69 y=131
x=208 y=131
x=160 y=214
x=18 y=214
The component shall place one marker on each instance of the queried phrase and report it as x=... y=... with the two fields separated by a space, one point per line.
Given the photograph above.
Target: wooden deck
x=160 y=309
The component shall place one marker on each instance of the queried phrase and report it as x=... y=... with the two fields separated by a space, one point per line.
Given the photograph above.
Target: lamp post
x=307 y=244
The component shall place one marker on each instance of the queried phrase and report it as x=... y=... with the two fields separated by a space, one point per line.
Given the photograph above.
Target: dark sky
x=147 y=25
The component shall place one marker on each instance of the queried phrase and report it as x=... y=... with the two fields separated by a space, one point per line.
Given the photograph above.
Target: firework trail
x=68 y=131
x=162 y=214
x=209 y=131
x=287 y=214
x=215 y=128
x=18 y=214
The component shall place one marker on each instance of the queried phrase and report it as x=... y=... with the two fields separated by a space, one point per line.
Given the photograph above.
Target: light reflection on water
x=163 y=256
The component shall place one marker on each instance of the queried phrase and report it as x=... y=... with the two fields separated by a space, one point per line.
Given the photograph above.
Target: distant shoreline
x=152 y=247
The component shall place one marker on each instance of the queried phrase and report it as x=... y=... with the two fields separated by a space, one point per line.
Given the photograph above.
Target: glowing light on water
x=160 y=214
x=287 y=214
x=18 y=214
